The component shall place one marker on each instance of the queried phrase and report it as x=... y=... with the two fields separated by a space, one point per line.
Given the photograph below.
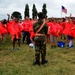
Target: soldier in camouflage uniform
x=40 y=40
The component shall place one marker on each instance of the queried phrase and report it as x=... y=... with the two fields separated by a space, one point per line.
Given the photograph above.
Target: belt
x=39 y=34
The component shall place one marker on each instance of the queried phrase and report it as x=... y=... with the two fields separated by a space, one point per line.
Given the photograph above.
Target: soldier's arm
x=41 y=26
x=34 y=27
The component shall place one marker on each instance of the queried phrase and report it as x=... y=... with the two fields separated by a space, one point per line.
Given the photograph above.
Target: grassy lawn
x=61 y=61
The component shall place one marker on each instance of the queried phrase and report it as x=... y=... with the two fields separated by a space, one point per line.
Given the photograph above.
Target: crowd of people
x=48 y=30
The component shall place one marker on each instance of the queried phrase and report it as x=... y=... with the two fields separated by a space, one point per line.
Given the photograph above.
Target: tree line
x=34 y=11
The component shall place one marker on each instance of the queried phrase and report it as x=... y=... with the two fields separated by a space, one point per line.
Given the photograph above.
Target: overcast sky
x=53 y=7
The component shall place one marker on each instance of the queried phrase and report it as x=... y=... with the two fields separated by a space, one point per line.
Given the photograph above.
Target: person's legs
x=43 y=52
x=51 y=39
x=3 y=38
x=24 y=35
x=19 y=43
x=70 y=43
x=28 y=38
x=54 y=41
x=37 y=54
x=14 y=40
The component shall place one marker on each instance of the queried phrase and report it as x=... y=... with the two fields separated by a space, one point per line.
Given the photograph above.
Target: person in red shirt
x=63 y=23
x=26 y=25
x=15 y=32
x=53 y=33
x=14 y=28
x=3 y=30
x=69 y=32
x=32 y=35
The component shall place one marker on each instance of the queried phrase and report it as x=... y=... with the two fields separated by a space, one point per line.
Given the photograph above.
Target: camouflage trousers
x=40 y=47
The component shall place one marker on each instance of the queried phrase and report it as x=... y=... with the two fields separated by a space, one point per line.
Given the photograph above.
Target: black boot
x=36 y=62
x=44 y=61
x=51 y=46
x=64 y=38
x=61 y=37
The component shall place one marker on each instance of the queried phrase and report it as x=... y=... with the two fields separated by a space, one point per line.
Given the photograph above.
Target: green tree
x=34 y=11
x=44 y=10
x=26 y=12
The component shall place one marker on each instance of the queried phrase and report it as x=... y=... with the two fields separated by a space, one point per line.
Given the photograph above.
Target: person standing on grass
x=63 y=23
x=40 y=29
x=53 y=33
x=26 y=25
x=14 y=28
x=3 y=30
x=69 y=31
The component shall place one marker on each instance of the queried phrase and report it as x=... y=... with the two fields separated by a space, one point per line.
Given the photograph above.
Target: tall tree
x=26 y=12
x=34 y=11
x=44 y=10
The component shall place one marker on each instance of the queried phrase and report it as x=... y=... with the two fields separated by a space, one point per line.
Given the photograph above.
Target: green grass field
x=61 y=61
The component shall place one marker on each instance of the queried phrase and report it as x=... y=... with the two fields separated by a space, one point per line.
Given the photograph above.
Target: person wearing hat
x=14 y=28
x=40 y=29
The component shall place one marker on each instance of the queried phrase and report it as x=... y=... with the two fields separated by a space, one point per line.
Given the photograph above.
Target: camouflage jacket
x=37 y=25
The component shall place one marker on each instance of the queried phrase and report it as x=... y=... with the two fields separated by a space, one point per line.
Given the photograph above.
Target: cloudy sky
x=53 y=7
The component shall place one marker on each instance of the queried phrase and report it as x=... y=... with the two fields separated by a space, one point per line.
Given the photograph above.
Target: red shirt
x=26 y=24
x=14 y=29
x=3 y=30
x=67 y=29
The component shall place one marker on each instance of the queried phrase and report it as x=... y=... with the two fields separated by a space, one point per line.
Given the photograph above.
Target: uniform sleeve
x=35 y=27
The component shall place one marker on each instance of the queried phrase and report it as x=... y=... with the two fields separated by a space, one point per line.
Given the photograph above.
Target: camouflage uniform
x=40 y=42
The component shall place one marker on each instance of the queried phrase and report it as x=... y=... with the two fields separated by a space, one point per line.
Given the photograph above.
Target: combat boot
x=44 y=61
x=36 y=62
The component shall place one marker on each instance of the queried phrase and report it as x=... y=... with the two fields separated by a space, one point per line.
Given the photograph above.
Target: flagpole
x=61 y=11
